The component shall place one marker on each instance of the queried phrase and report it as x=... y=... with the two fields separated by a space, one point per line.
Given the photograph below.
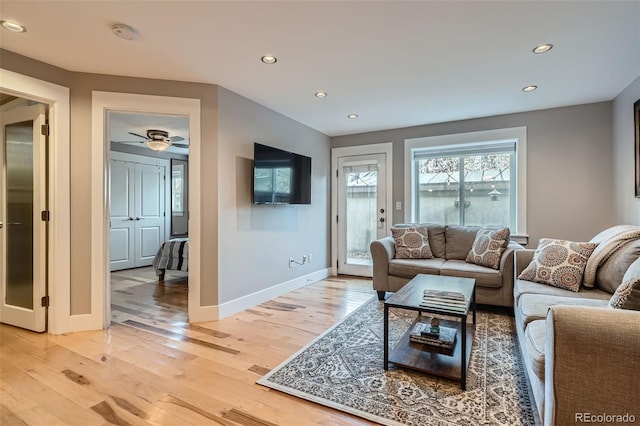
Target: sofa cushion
x=534 y=342
x=627 y=296
x=559 y=263
x=412 y=243
x=610 y=273
x=535 y=306
x=409 y=268
x=521 y=287
x=485 y=277
x=488 y=246
x=459 y=240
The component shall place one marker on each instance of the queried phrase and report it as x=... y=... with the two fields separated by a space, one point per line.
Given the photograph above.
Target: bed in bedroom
x=172 y=255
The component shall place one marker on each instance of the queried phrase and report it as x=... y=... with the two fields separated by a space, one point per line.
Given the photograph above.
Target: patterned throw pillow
x=558 y=263
x=488 y=247
x=627 y=296
x=412 y=243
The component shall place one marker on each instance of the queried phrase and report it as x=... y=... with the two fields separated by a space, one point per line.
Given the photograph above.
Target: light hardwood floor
x=152 y=367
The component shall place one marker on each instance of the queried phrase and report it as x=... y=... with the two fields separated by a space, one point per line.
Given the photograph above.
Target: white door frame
x=380 y=148
x=102 y=103
x=59 y=247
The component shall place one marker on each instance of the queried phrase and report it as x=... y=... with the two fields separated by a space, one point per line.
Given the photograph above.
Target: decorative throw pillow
x=559 y=263
x=627 y=296
x=412 y=243
x=488 y=247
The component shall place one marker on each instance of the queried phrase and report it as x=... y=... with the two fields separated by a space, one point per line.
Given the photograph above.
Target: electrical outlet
x=309 y=258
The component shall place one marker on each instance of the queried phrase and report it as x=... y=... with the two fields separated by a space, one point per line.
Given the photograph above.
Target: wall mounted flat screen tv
x=280 y=177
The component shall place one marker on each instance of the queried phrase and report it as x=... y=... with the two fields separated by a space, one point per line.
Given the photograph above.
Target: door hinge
x=45 y=215
x=44 y=302
x=336 y=172
x=44 y=129
x=336 y=218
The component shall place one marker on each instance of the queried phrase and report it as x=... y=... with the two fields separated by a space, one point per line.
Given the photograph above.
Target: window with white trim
x=456 y=180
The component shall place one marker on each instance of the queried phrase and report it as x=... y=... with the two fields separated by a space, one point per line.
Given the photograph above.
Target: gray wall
x=569 y=165
x=256 y=241
x=626 y=204
x=81 y=86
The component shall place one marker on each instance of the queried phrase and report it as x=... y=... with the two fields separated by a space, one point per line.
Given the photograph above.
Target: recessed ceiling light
x=321 y=94
x=125 y=32
x=352 y=116
x=542 y=48
x=268 y=59
x=529 y=88
x=13 y=26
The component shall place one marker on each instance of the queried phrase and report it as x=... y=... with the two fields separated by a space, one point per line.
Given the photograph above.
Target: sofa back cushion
x=610 y=273
x=459 y=240
x=436 y=236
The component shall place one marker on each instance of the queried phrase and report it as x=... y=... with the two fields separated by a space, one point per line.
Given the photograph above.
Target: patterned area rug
x=343 y=369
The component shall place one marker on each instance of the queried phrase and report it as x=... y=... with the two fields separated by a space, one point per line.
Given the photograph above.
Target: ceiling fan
x=159 y=140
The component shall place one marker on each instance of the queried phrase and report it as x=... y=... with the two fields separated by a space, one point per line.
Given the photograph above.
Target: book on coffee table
x=421 y=333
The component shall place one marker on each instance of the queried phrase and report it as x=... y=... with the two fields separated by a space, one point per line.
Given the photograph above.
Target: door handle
x=138 y=218
x=129 y=218
x=382 y=219
x=1 y=224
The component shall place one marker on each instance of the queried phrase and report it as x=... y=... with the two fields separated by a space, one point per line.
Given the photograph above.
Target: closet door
x=122 y=233
x=149 y=219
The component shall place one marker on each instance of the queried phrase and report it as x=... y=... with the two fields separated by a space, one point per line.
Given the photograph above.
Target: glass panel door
x=361 y=211
x=23 y=233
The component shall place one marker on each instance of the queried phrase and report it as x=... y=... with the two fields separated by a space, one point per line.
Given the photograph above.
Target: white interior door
x=121 y=246
x=362 y=215
x=137 y=207
x=23 y=233
x=150 y=208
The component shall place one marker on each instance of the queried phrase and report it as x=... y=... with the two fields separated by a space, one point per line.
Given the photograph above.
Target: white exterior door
x=23 y=233
x=362 y=210
x=138 y=207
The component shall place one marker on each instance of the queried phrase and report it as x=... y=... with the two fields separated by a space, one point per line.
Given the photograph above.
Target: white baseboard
x=218 y=312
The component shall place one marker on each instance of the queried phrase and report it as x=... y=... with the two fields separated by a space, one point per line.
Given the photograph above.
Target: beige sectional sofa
x=582 y=357
x=450 y=245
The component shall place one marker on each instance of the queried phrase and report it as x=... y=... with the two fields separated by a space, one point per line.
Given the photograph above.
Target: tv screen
x=280 y=177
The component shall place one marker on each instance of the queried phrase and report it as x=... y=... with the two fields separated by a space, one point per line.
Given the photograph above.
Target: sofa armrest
x=506 y=263
x=592 y=363
x=523 y=258
x=382 y=251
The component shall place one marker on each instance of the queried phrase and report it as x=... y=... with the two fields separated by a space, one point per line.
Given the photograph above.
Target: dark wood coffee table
x=426 y=358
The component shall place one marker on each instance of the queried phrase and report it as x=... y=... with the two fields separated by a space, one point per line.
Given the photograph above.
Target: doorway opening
x=148 y=204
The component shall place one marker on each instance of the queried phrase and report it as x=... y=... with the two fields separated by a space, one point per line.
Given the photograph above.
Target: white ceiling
x=394 y=63
x=120 y=124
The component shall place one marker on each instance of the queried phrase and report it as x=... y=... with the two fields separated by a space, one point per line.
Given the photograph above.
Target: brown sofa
x=582 y=358
x=450 y=245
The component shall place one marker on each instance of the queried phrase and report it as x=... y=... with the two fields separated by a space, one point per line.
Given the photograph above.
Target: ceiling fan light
x=157 y=144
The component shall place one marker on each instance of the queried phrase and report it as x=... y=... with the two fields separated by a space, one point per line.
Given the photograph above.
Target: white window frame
x=515 y=134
